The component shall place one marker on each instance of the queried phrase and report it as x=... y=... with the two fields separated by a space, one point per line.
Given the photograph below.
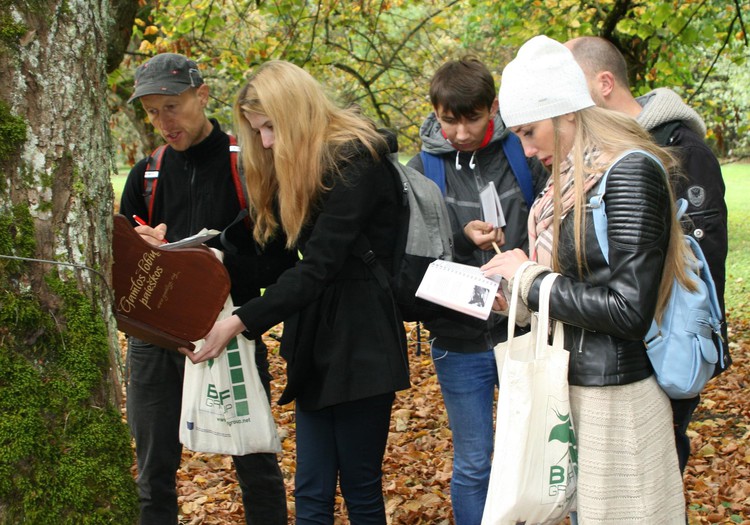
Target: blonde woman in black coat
x=320 y=175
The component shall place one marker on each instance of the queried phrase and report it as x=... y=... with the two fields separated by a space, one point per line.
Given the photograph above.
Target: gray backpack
x=424 y=235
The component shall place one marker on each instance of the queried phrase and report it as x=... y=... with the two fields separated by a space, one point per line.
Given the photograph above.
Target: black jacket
x=343 y=338
x=196 y=190
x=609 y=311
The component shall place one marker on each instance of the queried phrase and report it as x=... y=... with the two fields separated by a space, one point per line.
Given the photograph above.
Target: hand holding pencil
x=485 y=235
x=155 y=235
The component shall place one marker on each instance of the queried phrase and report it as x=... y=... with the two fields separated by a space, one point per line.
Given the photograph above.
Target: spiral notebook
x=459 y=287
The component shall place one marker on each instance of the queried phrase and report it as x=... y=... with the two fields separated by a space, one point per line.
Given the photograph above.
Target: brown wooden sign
x=166 y=297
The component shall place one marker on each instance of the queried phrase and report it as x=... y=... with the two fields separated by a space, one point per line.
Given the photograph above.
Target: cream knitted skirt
x=627 y=461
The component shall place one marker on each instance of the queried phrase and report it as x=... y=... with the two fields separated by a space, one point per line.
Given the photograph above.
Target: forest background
x=65 y=128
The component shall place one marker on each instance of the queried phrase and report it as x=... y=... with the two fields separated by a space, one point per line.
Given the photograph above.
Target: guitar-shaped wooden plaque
x=166 y=297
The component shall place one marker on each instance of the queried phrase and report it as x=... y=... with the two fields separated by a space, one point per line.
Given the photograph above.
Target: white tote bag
x=225 y=409
x=533 y=477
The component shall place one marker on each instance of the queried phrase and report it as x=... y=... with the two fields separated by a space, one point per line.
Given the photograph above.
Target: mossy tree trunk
x=65 y=452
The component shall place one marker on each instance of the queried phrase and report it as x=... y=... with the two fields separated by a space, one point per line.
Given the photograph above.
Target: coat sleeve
x=344 y=211
x=619 y=300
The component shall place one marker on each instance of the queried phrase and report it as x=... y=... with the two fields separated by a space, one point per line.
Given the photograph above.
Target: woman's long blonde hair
x=614 y=133
x=309 y=134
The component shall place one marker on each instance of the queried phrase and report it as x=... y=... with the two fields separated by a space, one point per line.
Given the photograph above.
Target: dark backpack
x=424 y=235
x=434 y=169
x=686 y=345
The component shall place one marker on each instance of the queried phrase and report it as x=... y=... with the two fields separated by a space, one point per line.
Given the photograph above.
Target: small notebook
x=459 y=287
x=492 y=210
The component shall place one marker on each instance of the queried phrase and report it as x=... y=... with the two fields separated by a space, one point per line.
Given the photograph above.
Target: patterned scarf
x=542 y=211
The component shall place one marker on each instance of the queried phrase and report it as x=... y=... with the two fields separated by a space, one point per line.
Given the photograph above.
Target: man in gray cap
x=197 y=188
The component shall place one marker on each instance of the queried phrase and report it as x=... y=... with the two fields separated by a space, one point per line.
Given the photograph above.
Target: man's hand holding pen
x=155 y=236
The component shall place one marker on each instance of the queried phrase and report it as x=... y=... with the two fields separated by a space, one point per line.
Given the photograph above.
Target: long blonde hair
x=309 y=134
x=613 y=133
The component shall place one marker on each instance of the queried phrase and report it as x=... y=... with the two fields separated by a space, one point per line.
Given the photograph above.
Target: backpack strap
x=598 y=210
x=234 y=150
x=598 y=207
x=434 y=169
x=151 y=178
x=520 y=167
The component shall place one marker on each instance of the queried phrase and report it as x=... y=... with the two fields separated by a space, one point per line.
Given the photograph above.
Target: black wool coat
x=343 y=337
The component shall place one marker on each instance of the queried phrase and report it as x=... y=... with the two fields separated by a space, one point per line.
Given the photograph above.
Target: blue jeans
x=154 y=401
x=468 y=382
x=344 y=443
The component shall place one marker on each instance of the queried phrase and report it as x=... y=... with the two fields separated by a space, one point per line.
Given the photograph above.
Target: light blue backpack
x=685 y=346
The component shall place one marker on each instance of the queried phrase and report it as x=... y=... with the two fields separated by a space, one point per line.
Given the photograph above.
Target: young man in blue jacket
x=196 y=189
x=466 y=137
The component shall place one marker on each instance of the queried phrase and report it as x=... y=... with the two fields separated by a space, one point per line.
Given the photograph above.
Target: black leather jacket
x=608 y=311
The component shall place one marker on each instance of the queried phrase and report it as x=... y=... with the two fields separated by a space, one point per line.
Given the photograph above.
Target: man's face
x=466 y=133
x=180 y=119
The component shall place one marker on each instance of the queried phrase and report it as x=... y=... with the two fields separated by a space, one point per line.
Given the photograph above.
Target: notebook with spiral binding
x=459 y=287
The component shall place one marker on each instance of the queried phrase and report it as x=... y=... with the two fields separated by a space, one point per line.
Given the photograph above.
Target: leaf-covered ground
x=418 y=459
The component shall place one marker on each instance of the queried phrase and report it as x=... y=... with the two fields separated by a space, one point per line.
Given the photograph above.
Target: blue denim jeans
x=343 y=443
x=468 y=383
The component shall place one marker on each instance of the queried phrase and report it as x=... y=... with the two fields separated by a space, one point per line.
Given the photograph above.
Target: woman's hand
x=505 y=264
x=483 y=234
x=155 y=235
x=216 y=340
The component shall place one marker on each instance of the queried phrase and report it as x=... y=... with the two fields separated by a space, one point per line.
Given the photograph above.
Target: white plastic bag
x=533 y=477
x=225 y=409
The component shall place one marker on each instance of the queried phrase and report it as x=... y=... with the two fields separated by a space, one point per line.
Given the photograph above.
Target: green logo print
x=239 y=392
x=237 y=400
x=563 y=433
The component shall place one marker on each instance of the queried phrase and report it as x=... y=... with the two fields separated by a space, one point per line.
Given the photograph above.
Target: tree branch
x=716 y=58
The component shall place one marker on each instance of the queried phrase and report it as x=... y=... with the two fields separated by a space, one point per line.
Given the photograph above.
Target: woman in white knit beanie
x=627 y=464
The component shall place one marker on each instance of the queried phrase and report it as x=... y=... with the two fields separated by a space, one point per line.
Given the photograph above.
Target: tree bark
x=58 y=338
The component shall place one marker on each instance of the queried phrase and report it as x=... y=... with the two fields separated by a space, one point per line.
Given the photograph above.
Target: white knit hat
x=542 y=82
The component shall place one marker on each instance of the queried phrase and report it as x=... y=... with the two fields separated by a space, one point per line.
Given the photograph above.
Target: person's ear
x=605 y=83
x=493 y=108
x=202 y=92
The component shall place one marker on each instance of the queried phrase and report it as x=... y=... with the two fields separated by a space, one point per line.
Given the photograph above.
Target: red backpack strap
x=234 y=150
x=151 y=178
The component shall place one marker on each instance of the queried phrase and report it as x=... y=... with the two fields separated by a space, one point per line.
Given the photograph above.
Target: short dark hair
x=462 y=87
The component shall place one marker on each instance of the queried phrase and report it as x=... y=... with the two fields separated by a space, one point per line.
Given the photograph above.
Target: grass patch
x=737 y=180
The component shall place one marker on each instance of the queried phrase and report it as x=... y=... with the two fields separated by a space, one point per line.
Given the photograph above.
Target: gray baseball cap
x=166 y=74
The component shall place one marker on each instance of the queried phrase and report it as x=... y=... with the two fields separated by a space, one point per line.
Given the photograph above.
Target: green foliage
x=381 y=55
x=65 y=453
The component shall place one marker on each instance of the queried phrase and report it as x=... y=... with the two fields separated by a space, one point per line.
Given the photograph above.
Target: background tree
x=65 y=453
x=380 y=54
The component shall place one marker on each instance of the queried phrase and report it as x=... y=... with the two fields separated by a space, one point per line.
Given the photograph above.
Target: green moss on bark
x=12 y=132
x=65 y=454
